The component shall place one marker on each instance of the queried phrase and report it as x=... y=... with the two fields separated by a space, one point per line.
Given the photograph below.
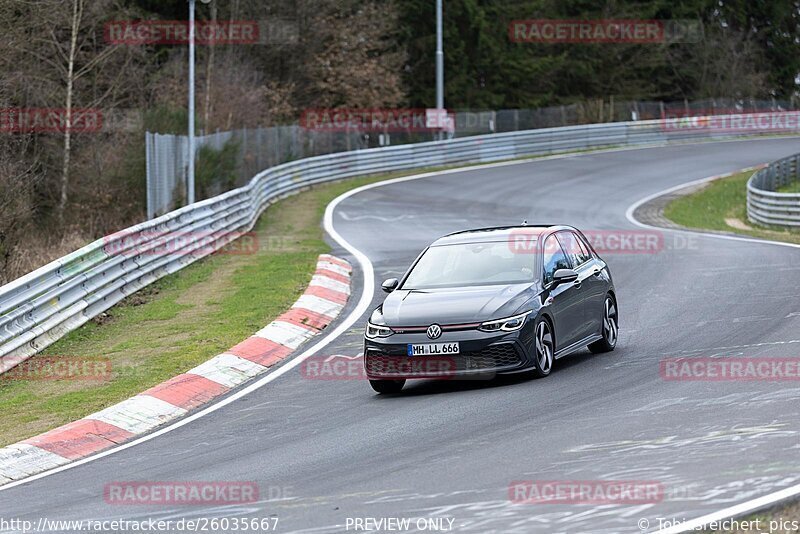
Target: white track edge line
x=633 y=207
x=366 y=295
x=765 y=501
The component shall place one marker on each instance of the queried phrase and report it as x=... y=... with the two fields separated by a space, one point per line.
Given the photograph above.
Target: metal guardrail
x=764 y=204
x=44 y=305
x=322 y=131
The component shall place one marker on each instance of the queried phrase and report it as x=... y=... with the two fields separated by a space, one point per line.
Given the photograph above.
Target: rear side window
x=575 y=248
x=553 y=259
x=586 y=255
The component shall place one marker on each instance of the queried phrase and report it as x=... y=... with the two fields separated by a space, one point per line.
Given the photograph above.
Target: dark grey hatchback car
x=492 y=301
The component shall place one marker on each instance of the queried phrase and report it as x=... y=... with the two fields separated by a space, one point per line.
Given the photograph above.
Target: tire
x=544 y=349
x=387 y=386
x=610 y=328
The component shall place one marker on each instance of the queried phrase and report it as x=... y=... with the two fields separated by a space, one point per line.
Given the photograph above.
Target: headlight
x=509 y=324
x=374 y=331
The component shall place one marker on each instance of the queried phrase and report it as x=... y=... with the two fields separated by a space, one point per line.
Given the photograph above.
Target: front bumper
x=482 y=355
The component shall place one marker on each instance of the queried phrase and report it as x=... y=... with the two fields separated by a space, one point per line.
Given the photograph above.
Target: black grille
x=492 y=357
x=489 y=359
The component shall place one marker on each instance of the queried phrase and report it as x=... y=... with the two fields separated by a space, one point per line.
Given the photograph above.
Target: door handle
x=596 y=272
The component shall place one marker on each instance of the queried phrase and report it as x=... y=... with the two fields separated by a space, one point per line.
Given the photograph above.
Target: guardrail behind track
x=44 y=305
x=764 y=204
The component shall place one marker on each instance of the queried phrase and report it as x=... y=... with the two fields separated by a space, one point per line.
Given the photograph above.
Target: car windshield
x=470 y=264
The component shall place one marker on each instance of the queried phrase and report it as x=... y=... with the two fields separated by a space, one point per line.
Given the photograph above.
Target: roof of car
x=496 y=233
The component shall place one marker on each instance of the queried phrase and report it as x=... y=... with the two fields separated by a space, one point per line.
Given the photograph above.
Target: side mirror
x=563 y=276
x=391 y=284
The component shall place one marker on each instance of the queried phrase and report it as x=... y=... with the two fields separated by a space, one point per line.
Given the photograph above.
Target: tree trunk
x=209 y=67
x=77 y=13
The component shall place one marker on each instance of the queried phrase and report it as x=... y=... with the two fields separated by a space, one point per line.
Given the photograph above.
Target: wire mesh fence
x=44 y=305
x=263 y=148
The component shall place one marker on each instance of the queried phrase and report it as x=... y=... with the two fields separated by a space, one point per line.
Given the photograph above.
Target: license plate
x=432 y=349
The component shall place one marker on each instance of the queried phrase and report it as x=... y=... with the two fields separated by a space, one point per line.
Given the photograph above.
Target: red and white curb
x=322 y=301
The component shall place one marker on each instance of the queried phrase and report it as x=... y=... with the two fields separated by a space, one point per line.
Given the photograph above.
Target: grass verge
x=722 y=206
x=793 y=187
x=179 y=321
x=782 y=520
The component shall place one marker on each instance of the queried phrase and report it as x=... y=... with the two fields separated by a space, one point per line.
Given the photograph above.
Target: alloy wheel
x=544 y=347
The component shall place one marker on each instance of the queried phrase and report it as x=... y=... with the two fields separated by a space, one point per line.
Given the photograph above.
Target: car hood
x=454 y=305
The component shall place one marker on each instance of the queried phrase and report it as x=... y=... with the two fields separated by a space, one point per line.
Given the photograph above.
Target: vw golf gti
x=492 y=301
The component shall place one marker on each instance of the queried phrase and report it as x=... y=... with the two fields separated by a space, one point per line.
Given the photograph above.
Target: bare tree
x=729 y=65
x=18 y=176
x=66 y=66
x=357 y=62
x=209 y=70
x=77 y=15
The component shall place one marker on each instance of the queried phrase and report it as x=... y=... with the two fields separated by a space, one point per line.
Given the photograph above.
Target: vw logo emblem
x=434 y=331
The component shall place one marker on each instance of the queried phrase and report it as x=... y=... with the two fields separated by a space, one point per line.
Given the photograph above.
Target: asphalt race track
x=325 y=451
